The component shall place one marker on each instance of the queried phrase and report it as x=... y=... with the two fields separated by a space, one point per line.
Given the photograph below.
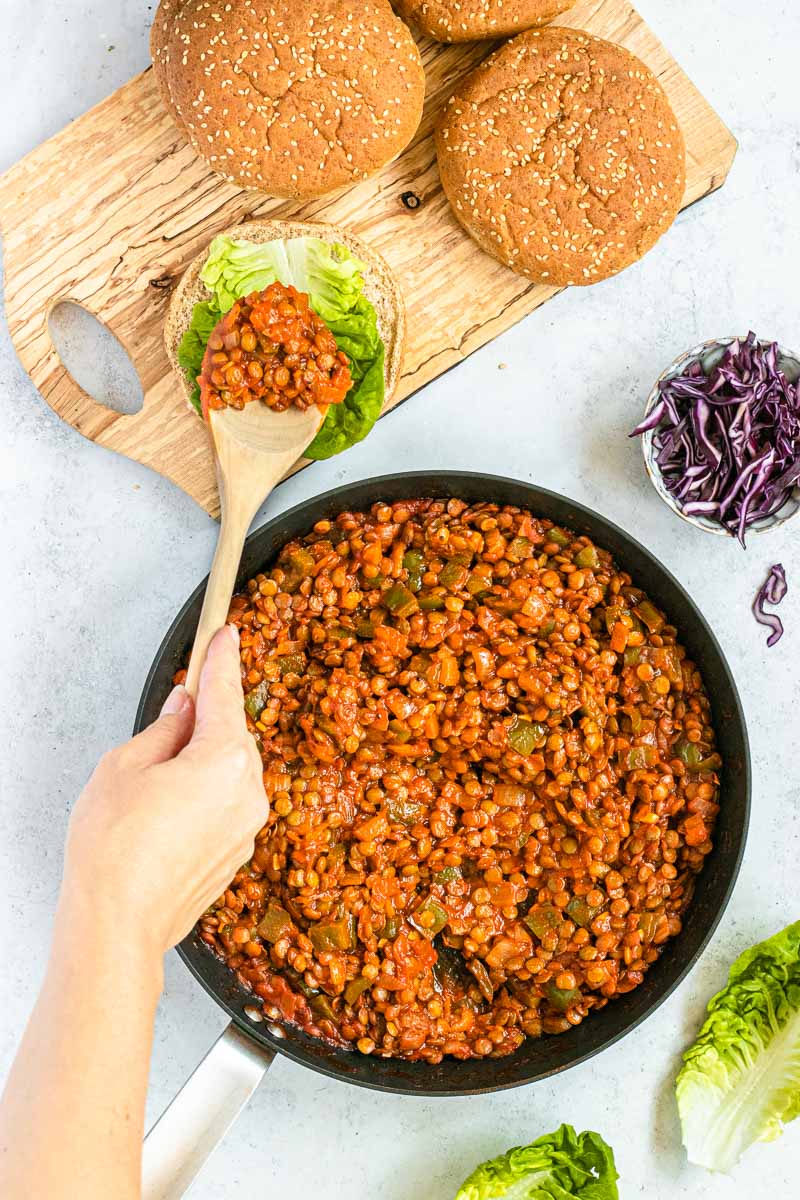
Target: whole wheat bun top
x=562 y=157
x=295 y=98
x=470 y=20
x=380 y=288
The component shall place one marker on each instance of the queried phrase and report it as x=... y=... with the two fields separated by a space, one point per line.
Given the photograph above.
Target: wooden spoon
x=254 y=448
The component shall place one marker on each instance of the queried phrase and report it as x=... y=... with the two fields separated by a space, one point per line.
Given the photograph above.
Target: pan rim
x=438 y=480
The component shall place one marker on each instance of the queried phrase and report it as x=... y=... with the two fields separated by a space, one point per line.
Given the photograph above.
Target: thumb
x=167 y=736
x=220 y=710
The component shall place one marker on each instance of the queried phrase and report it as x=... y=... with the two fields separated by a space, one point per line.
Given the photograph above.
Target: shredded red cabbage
x=772 y=591
x=728 y=442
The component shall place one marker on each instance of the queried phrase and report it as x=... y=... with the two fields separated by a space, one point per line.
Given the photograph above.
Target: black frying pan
x=536 y=1058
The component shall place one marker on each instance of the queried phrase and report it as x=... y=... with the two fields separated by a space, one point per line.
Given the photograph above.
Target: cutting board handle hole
x=95 y=358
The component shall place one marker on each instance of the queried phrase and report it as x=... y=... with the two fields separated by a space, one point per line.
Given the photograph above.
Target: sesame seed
x=281 y=76
x=571 y=126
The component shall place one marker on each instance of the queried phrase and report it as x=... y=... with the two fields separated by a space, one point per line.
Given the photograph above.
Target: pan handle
x=193 y=1125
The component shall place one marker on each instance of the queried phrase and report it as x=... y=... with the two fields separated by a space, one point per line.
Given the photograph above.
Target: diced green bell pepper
x=692 y=755
x=298 y=982
x=334 y=935
x=543 y=919
x=671 y=663
x=524 y=736
x=649 y=615
x=482 y=978
x=322 y=1006
x=370 y=582
x=256 y=701
x=477 y=585
x=558 y=536
x=518 y=549
x=634 y=715
x=291 y=664
x=403 y=812
x=275 y=923
x=648 y=924
x=400 y=601
x=414 y=563
x=355 y=988
x=581 y=912
x=447 y=875
x=587 y=558
x=429 y=908
x=638 y=758
x=561 y=998
x=297 y=566
x=328 y=726
x=453 y=575
x=390 y=929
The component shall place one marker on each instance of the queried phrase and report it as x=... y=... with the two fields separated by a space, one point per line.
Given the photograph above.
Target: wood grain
x=109 y=212
x=254 y=450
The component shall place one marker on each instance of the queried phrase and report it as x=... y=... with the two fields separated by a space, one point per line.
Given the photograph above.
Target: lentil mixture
x=492 y=777
x=273 y=347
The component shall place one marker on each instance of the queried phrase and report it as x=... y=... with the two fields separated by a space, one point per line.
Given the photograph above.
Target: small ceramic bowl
x=708 y=354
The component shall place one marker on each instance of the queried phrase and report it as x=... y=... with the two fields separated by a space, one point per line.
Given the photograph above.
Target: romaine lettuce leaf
x=234 y=269
x=331 y=276
x=192 y=347
x=559 y=1166
x=329 y=273
x=740 y=1082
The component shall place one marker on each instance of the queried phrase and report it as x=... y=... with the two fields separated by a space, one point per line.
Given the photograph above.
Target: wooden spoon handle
x=221 y=582
x=255 y=447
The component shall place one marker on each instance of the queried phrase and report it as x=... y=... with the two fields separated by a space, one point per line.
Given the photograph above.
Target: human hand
x=168 y=818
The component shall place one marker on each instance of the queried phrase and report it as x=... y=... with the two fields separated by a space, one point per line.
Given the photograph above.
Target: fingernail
x=233 y=633
x=176 y=701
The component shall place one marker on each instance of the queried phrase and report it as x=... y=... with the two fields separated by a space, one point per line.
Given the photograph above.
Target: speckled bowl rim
x=677 y=367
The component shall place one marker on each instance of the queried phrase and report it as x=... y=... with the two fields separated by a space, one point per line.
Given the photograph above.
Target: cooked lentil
x=485 y=818
x=273 y=347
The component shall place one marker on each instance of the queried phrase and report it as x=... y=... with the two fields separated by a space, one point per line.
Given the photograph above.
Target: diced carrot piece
x=394 y=641
x=695 y=831
x=619 y=638
x=448 y=675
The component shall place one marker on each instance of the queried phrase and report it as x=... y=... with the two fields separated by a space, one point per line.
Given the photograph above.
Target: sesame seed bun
x=562 y=157
x=295 y=98
x=470 y=20
x=380 y=288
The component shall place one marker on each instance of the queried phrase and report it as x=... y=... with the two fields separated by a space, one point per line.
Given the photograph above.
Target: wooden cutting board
x=108 y=213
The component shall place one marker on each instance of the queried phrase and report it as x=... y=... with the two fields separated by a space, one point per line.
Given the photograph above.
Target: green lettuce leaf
x=740 y=1082
x=192 y=347
x=331 y=277
x=356 y=333
x=559 y=1166
x=327 y=271
x=234 y=269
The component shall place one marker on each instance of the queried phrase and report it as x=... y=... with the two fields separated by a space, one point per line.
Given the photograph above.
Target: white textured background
x=97 y=554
